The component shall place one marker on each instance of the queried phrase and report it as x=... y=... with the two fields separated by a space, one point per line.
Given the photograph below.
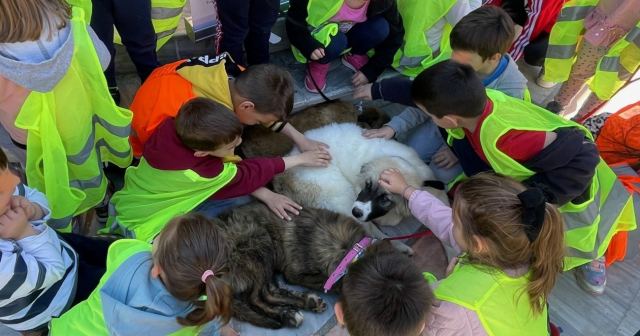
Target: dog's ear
x=433 y=184
x=372 y=118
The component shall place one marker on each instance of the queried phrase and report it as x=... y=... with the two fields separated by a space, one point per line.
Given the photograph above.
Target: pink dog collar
x=353 y=255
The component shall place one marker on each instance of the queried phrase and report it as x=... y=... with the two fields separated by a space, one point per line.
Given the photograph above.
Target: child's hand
x=315 y=158
x=393 y=181
x=444 y=158
x=308 y=145
x=317 y=54
x=385 y=132
x=14 y=224
x=33 y=210
x=281 y=205
x=363 y=92
x=359 y=79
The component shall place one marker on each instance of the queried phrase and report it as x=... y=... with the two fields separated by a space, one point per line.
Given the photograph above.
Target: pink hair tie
x=206 y=275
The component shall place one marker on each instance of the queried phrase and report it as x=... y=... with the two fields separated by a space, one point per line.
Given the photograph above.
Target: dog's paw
x=292 y=318
x=403 y=248
x=315 y=303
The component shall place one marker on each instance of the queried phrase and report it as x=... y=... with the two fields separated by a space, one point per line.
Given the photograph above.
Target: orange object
x=159 y=98
x=619 y=139
x=617 y=249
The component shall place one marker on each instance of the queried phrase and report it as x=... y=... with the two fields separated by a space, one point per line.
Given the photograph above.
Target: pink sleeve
x=431 y=212
x=450 y=319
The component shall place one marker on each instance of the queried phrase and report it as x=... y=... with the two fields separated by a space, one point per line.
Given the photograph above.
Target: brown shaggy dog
x=305 y=250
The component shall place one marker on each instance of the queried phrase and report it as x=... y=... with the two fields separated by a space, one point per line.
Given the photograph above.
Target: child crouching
x=513 y=245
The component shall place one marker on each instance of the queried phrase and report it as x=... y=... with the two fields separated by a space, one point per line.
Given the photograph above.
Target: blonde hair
x=25 y=20
x=187 y=247
x=488 y=206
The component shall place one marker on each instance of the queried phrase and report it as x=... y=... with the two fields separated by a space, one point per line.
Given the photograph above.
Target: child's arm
x=31 y=256
x=429 y=210
x=403 y=122
x=395 y=90
x=304 y=143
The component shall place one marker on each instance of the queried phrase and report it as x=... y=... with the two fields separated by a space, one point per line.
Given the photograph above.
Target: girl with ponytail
x=512 y=248
x=174 y=287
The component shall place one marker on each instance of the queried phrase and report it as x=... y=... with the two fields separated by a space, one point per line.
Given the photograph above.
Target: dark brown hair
x=269 y=87
x=450 y=88
x=25 y=20
x=384 y=294
x=186 y=248
x=487 y=206
x=486 y=31
x=203 y=124
x=4 y=161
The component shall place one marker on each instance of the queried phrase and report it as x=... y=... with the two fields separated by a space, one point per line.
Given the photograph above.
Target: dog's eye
x=385 y=201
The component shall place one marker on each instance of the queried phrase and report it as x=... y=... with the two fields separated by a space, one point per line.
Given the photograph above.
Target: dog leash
x=425 y=233
x=317 y=86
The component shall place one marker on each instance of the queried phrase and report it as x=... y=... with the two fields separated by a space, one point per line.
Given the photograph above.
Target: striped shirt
x=37 y=273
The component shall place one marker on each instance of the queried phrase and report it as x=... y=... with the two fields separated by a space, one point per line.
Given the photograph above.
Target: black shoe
x=555 y=107
x=115 y=94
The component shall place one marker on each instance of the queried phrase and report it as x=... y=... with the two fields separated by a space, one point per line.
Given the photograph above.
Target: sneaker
x=592 y=277
x=355 y=62
x=319 y=72
x=543 y=83
x=554 y=330
x=555 y=107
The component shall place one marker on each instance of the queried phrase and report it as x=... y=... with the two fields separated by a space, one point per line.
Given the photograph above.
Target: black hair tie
x=533 y=211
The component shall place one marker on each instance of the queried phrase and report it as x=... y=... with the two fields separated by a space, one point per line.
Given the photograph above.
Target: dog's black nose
x=357 y=213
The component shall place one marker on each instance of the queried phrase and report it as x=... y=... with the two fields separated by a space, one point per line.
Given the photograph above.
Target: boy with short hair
x=384 y=294
x=480 y=39
x=188 y=164
x=261 y=94
x=489 y=130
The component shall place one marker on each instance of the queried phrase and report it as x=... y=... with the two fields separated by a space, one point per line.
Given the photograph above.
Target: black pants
x=247 y=23
x=92 y=262
x=132 y=18
x=536 y=51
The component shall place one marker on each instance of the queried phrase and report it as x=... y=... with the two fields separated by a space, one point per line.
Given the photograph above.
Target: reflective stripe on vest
x=165 y=17
x=590 y=225
x=617 y=66
x=87 y=317
x=493 y=296
x=151 y=197
x=564 y=37
x=66 y=151
x=418 y=17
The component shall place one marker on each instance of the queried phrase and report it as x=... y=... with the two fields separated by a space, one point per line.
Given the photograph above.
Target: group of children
x=531 y=196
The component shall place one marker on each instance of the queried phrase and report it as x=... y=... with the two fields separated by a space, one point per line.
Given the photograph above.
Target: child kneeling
x=513 y=245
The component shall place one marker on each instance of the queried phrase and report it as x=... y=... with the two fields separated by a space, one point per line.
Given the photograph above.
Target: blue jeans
x=427 y=140
x=361 y=38
x=214 y=208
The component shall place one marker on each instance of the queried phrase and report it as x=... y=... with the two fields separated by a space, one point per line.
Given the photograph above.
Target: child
x=513 y=248
x=607 y=57
x=480 y=39
x=38 y=269
x=321 y=31
x=174 y=286
x=427 y=25
x=262 y=94
x=247 y=24
x=189 y=164
x=383 y=294
x=51 y=63
x=489 y=130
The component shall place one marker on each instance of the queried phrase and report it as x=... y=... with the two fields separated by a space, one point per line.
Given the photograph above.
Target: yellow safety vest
x=612 y=71
x=319 y=13
x=418 y=17
x=151 y=197
x=72 y=130
x=501 y=302
x=589 y=226
x=86 y=318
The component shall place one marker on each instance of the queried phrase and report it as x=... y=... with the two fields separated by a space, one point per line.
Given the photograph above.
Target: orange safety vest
x=160 y=97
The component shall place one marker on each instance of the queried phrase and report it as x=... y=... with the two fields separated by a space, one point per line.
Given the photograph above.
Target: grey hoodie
x=134 y=303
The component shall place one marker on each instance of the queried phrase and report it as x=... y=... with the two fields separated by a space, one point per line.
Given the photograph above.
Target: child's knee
x=380 y=27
